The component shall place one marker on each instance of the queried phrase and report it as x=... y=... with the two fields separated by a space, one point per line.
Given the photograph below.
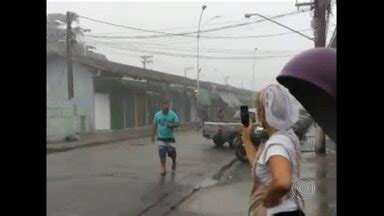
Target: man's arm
x=154 y=128
x=175 y=124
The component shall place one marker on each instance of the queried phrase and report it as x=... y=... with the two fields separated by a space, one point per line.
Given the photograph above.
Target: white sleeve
x=273 y=150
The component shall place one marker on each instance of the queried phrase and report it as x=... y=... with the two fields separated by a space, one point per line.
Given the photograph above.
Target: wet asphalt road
x=122 y=178
x=231 y=195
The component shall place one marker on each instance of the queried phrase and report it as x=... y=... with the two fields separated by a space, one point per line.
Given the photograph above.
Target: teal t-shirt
x=162 y=120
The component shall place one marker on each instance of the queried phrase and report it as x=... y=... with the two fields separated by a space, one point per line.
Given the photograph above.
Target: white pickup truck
x=221 y=132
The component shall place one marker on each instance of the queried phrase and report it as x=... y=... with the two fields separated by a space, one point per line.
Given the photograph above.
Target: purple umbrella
x=311 y=79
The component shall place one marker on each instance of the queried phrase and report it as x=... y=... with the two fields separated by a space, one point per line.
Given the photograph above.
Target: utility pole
x=319 y=25
x=319 y=19
x=253 y=71
x=198 y=69
x=69 y=41
x=320 y=41
x=146 y=59
x=226 y=78
x=187 y=69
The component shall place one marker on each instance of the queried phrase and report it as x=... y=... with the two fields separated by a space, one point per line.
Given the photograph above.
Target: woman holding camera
x=275 y=163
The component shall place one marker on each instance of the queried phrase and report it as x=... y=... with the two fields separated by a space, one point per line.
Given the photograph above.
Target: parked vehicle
x=301 y=127
x=222 y=132
x=258 y=137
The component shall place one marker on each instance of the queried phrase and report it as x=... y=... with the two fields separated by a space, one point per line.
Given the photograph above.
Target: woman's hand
x=247 y=143
x=247 y=132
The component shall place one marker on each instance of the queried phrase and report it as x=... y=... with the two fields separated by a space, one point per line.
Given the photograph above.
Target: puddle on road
x=131 y=175
x=208 y=182
x=137 y=144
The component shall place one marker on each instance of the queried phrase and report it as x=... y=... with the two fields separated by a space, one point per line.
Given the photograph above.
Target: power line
x=208 y=37
x=191 y=56
x=217 y=36
x=178 y=48
x=169 y=47
x=184 y=27
x=148 y=49
x=185 y=34
x=257 y=36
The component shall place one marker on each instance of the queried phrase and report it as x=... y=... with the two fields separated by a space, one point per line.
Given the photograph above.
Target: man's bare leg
x=163 y=165
x=173 y=165
x=173 y=157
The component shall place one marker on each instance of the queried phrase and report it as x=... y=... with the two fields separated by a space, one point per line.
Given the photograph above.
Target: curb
x=217 y=177
x=170 y=201
x=227 y=175
x=51 y=150
x=224 y=170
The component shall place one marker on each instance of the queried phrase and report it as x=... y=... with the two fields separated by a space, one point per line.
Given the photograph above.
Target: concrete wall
x=84 y=96
x=57 y=95
x=60 y=119
x=56 y=79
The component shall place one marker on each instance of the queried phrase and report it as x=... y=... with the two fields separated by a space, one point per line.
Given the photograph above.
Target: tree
x=56 y=35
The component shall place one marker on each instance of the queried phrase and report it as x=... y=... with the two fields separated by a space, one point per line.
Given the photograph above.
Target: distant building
x=112 y=96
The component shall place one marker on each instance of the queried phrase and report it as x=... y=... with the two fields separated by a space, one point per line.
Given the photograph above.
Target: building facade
x=110 y=96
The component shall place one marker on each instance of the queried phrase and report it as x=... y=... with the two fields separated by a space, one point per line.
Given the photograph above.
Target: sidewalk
x=101 y=138
x=231 y=196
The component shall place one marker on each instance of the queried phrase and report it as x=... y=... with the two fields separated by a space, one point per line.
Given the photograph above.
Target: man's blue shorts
x=166 y=148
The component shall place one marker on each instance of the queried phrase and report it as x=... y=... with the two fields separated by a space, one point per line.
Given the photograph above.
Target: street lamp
x=253 y=71
x=248 y=15
x=198 y=69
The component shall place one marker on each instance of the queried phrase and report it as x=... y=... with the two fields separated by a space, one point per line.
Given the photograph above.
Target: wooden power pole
x=321 y=34
x=319 y=25
x=69 y=41
x=146 y=59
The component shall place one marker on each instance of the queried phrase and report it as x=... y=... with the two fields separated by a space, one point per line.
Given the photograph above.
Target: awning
x=246 y=100
x=158 y=87
x=204 y=97
x=230 y=100
x=178 y=89
x=109 y=83
x=215 y=95
x=133 y=84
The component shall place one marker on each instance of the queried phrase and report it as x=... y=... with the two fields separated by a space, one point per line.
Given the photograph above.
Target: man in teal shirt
x=163 y=124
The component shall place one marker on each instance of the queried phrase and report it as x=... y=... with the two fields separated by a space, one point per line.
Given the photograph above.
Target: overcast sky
x=183 y=17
